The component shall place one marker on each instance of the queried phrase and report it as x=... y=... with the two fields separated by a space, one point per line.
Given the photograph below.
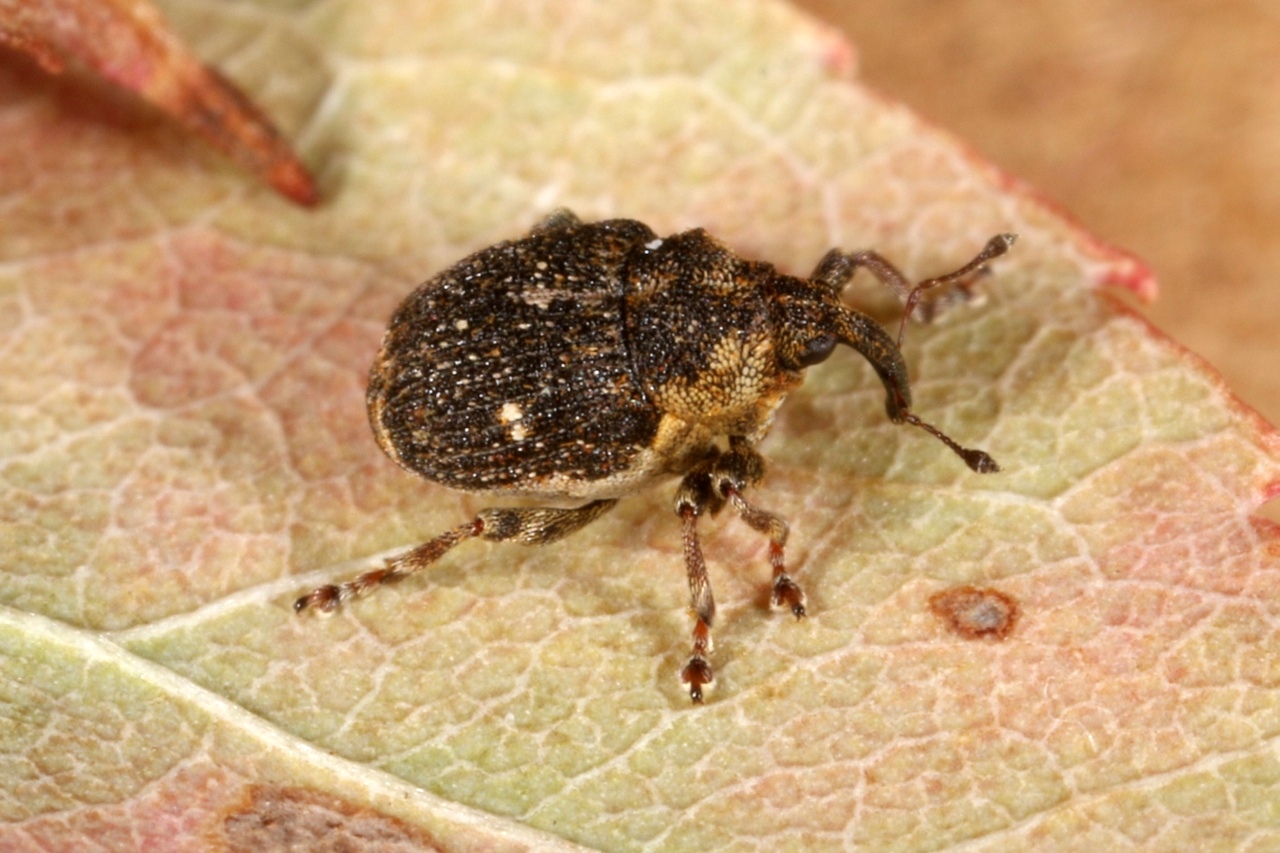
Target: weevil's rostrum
x=584 y=362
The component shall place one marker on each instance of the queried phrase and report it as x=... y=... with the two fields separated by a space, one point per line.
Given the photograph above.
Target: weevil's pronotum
x=585 y=362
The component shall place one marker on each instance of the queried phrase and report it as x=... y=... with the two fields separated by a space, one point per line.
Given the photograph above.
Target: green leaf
x=183 y=451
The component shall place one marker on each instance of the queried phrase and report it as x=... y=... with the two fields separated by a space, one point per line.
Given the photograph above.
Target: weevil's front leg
x=743 y=466
x=720 y=479
x=837 y=267
x=694 y=497
x=527 y=525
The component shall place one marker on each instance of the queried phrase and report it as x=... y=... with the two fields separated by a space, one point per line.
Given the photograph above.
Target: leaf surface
x=183 y=450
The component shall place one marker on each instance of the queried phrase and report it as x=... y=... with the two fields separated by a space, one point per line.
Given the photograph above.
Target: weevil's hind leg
x=328 y=598
x=734 y=471
x=527 y=525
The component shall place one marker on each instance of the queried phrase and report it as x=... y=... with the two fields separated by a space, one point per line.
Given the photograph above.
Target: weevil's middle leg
x=528 y=525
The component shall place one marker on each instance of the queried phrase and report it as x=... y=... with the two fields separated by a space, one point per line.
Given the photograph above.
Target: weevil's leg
x=561 y=217
x=734 y=471
x=539 y=525
x=328 y=598
x=697 y=673
x=961 y=277
x=836 y=268
x=694 y=497
x=528 y=525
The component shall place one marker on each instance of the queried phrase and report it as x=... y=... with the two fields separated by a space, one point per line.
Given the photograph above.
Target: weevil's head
x=809 y=320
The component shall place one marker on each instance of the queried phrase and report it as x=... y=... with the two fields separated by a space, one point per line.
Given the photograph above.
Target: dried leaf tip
x=129 y=43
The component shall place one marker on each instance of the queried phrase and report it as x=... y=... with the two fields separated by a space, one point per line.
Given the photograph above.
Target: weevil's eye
x=817 y=349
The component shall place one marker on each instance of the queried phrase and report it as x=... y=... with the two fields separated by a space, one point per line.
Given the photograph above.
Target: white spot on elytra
x=655 y=243
x=510 y=414
x=539 y=297
x=461 y=325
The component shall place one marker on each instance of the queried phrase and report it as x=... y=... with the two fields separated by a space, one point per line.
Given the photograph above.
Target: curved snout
x=878 y=347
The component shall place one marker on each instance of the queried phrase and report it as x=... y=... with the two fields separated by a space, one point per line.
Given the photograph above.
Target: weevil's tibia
x=328 y=598
x=697 y=673
x=530 y=526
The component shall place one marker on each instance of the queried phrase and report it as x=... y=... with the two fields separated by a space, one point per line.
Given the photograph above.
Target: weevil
x=585 y=362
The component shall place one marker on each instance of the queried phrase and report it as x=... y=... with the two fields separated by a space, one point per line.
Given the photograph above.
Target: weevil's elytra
x=585 y=362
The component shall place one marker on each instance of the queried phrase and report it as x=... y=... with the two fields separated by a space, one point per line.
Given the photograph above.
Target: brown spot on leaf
x=974 y=612
x=275 y=818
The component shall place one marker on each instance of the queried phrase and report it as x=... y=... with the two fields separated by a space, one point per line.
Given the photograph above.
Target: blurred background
x=1156 y=124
